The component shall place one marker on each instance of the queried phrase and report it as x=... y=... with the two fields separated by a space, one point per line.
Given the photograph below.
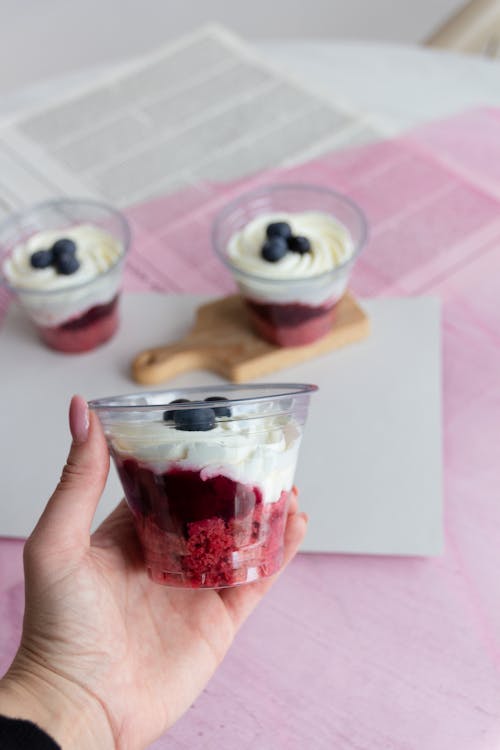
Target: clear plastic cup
x=208 y=481
x=78 y=317
x=291 y=311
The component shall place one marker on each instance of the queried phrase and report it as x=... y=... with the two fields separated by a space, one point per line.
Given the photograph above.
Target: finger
x=241 y=600
x=293 y=506
x=68 y=515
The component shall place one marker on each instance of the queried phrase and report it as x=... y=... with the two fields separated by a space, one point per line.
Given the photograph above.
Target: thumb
x=68 y=515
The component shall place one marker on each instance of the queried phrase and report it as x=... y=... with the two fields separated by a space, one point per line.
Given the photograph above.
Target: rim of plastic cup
x=125 y=402
x=18 y=216
x=223 y=214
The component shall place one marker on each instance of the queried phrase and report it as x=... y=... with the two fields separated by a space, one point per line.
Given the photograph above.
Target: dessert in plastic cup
x=291 y=250
x=207 y=474
x=63 y=260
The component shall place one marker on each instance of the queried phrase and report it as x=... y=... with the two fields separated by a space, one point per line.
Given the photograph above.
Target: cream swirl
x=96 y=250
x=331 y=246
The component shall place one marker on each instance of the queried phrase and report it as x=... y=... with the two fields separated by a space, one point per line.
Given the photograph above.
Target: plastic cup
x=290 y=311
x=208 y=481
x=76 y=318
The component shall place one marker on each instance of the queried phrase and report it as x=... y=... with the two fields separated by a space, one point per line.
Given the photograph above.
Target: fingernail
x=295 y=490
x=304 y=516
x=79 y=419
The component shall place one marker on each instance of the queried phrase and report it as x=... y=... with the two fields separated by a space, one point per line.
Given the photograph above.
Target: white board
x=370 y=468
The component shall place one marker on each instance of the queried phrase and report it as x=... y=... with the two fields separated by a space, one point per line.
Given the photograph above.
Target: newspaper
x=203 y=108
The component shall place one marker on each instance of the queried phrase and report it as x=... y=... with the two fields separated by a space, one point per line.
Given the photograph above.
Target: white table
x=404 y=85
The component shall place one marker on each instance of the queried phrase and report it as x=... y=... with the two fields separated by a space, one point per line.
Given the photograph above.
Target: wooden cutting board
x=222 y=341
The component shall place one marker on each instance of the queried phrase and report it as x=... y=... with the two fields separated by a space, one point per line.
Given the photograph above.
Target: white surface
x=402 y=85
x=40 y=39
x=370 y=466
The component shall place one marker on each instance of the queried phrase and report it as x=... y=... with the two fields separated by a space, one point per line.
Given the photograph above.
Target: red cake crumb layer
x=291 y=324
x=203 y=533
x=84 y=333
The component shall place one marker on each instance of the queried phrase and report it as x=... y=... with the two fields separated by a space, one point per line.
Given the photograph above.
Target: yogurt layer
x=261 y=452
x=52 y=298
x=314 y=278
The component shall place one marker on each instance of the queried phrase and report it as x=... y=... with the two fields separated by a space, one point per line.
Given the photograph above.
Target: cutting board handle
x=152 y=366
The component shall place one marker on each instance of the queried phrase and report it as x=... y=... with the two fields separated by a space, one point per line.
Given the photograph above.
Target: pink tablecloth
x=358 y=652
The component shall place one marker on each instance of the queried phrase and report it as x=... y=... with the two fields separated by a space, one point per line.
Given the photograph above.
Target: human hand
x=109 y=659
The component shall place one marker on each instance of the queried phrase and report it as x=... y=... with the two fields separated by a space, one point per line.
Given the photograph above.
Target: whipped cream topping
x=96 y=251
x=331 y=246
x=261 y=452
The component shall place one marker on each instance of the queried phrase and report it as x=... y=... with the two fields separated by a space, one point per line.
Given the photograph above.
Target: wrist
x=63 y=709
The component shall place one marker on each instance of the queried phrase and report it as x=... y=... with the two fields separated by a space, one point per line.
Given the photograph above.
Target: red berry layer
x=203 y=533
x=84 y=333
x=291 y=324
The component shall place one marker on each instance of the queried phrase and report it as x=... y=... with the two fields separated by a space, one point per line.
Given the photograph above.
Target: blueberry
x=63 y=246
x=299 y=245
x=41 y=259
x=220 y=411
x=274 y=249
x=169 y=415
x=279 y=229
x=67 y=263
x=191 y=420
